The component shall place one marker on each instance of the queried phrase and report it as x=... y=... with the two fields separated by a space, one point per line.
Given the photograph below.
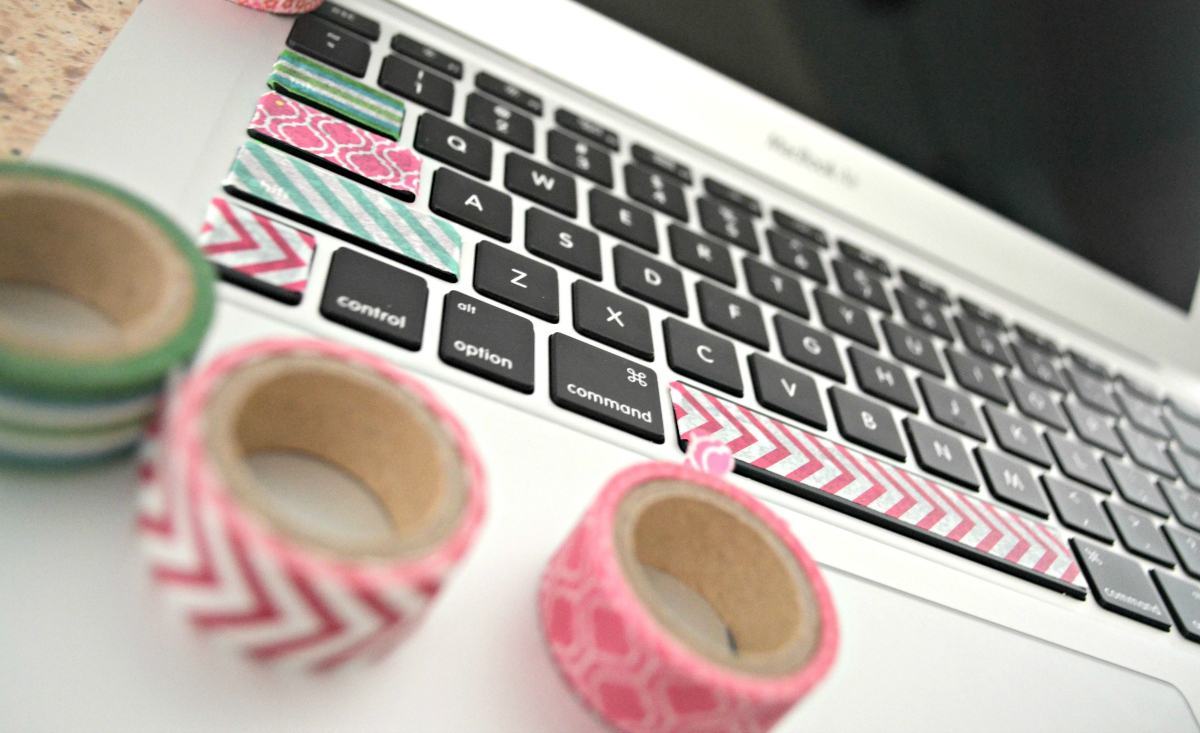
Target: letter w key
x=544 y=185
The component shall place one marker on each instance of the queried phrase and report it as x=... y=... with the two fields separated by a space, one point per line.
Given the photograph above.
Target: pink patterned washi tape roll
x=682 y=604
x=231 y=556
x=282 y=7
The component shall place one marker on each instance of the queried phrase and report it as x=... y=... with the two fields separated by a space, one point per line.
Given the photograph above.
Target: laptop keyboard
x=770 y=324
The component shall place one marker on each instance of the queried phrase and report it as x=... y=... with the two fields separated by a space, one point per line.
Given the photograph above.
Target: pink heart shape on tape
x=710 y=455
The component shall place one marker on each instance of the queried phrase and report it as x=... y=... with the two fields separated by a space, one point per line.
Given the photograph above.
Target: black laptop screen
x=1078 y=120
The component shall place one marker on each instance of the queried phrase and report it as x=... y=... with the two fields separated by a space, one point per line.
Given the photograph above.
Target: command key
x=488 y=341
x=603 y=386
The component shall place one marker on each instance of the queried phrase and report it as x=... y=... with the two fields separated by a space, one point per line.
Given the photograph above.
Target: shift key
x=605 y=387
x=488 y=341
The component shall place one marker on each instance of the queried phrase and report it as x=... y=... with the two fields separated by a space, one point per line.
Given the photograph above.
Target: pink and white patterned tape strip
x=234 y=578
x=282 y=7
x=252 y=244
x=630 y=670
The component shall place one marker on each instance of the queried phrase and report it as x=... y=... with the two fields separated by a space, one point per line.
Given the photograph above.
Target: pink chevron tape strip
x=236 y=573
x=637 y=670
x=248 y=242
x=365 y=156
x=282 y=7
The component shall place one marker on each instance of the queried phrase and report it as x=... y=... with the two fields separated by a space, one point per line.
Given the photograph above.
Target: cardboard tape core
x=729 y=557
x=353 y=418
x=96 y=249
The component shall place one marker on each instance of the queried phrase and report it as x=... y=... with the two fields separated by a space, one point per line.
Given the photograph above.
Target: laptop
x=920 y=236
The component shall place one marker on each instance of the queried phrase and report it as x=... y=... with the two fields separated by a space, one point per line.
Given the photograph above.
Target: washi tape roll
x=282 y=7
x=680 y=603
x=231 y=556
x=76 y=395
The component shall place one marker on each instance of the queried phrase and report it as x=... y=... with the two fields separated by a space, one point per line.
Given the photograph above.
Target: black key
x=925 y=287
x=1120 y=585
x=795 y=254
x=1036 y=341
x=605 y=387
x=1094 y=427
x=725 y=221
x=660 y=162
x=452 y=144
x=1140 y=534
x=951 y=408
x=743 y=201
x=465 y=201
x=412 y=82
x=983 y=340
x=1185 y=504
x=587 y=128
x=377 y=299
x=563 y=243
x=348 y=19
x=866 y=422
x=1017 y=435
x=1186 y=432
x=731 y=315
x=431 y=57
x=1079 y=463
x=1138 y=389
x=1183 y=598
x=655 y=190
x=330 y=43
x=1184 y=410
x=623 y=220
x=846 y=318
x=1091 y=389
x=652 y=281
x=1187 y=548
x=976 y=375
x=775 y=287
x=1078 y=510
x=882 y=379
x=923 y=312
x=702 y=356
x=516 y=280
x=1037 y=403
x=579 y=157
x=786 y=391
x=1142 y=413
x=813 y=234
x=981 y=314
x=540 y=183
x=941 y=454
x=858 y=254
x=1188 y=465
x=1146 y=451
x=1038 y=365
x=499 y=121
x=1089 y=364
x=912 y=348
x=487 y=341
x=808 y=347
x=1137 y=487
x=1012 y=482
x=612 y=320
x=858 y=282
x=701 y=254
x=509 y=93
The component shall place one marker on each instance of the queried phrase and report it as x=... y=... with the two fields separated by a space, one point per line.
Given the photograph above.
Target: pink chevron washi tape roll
x=235 y=559
x=680 y=603
x=282 y=7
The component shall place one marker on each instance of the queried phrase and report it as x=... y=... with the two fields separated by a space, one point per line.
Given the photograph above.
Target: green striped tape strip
x=336 y=93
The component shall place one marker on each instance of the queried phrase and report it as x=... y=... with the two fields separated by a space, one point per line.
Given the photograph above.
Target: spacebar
x=828 y=473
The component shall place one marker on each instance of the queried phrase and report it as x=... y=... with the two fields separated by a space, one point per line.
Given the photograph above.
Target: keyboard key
x=662 y=163
x=981 y=314
x=656 y=191
x=1094 y=427
x=859 y=282
x=623 y=220
x=923 y=312
x=741 y=200
x=912 y=348
x=858 y=254
x=611 y=319
x=605 y=387
x=941 y=454
x=1120 y=585
x=1034 y=340
x=702 y=255
x=976 y=375
x=808 y=347
x=1183 y=598
x=866 y=422
x=1038 y=365
x=1184 y=410
x=503 y=90
x=330 y=44
x=731 y=315
x=412 y=82
x=499 y=121
x=793 y=253
x=452 y=144
x=1146 y=451
x=377 y=299
x=579 y=157
x=787 y=391
x=1187 y=548
x=563 y=243
x=882 y=379
x=1137 y=487
x=725 y=221
x=316 y=84
x=516 y=280
x=1188 y=465
x=775 y=287
x=1142 y=413
x=983 y=340
x=487 y=341
x=348 y=19
x=431 y=57
x=1138 y=389
x=1140 y=535
x=1037 y=403
x=846 y=318
x=925 y=287
x=1086 y=362
x=539 y=183
x=1017 y=435
x=587 y=128
x=814 y=234
x=1091 y=389
x=1012 y=482
x=1185 y=431
x=652 y=281
x=1185 y=504
x=1079 y=463
x=465 y=201
x=951 y=408
x=1078 y=509
x=702 y=356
